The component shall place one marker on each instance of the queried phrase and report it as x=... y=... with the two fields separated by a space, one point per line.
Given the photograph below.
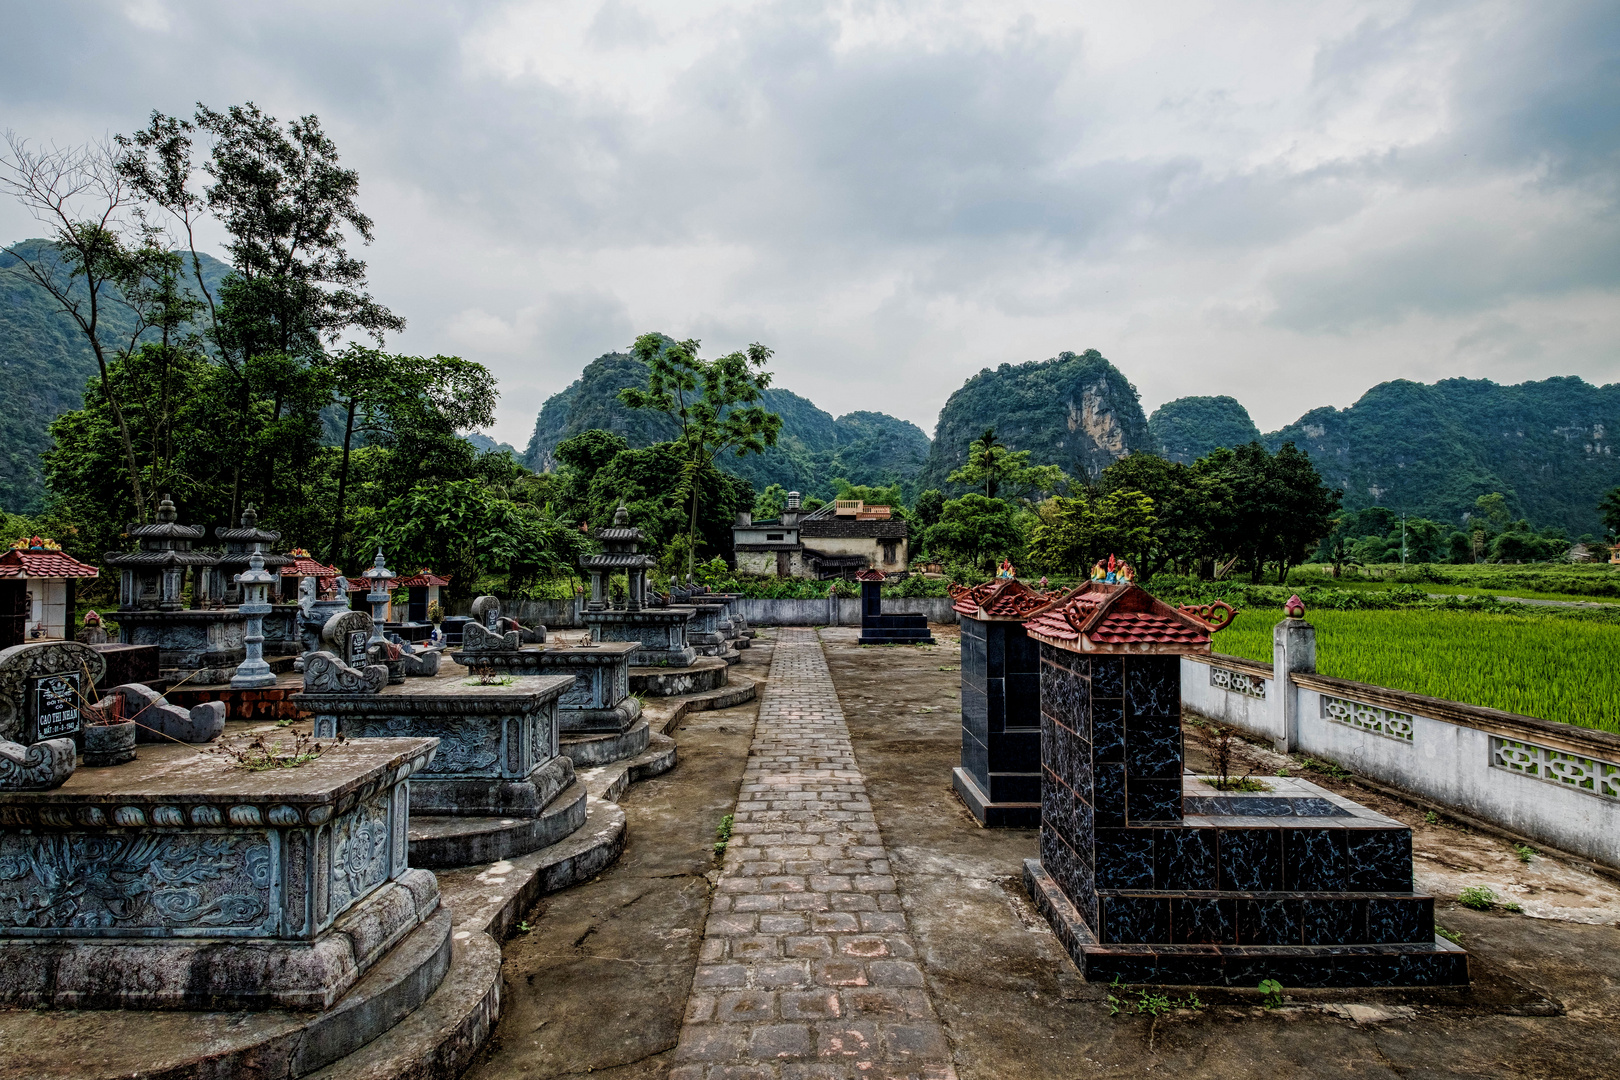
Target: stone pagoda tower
x=659 y=632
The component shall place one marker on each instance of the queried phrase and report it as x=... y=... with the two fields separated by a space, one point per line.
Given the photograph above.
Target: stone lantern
x=255 y=581
x=380 y=576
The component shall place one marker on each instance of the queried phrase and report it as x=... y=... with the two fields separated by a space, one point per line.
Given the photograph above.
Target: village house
x=834 y=541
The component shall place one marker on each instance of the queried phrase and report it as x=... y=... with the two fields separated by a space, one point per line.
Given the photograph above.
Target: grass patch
x=1552 y=668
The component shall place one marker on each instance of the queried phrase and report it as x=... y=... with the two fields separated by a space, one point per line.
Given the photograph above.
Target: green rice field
x=1551 y=668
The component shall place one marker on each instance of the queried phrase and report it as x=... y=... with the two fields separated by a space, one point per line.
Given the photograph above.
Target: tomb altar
x=880 y=629
x=1150 y=876
x=184 y=881
x=660 y=634
x=1000 y=774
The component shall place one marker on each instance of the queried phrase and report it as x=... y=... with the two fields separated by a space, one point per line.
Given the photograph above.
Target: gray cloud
x=902 y=193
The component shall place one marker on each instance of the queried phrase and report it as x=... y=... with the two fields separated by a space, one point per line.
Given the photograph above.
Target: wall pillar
x=1293 y=649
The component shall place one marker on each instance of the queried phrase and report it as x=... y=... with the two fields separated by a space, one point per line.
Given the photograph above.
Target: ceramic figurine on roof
x=1006 y=570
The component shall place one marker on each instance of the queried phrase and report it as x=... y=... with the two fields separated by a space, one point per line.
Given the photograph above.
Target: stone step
x=702 y=675
x=1212 y=918
x=1433 y=963
x=445 y=842
x=610 y=781
x=588 y=750
x=271 y=1044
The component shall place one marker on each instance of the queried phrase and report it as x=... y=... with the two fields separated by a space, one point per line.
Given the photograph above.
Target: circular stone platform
x=444 y=842
x=274 y=1044
x=706 y=673
x=599 y=749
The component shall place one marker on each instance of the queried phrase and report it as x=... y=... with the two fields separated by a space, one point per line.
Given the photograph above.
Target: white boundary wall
x=565 y=614
x=1555 y=783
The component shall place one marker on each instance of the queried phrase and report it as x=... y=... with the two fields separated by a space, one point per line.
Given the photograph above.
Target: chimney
x=744 y=519
x=790 y=516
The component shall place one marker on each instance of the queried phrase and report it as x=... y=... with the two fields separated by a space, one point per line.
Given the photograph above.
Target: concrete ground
x=600 y=982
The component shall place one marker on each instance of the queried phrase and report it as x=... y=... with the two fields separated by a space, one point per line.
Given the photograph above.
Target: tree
x=927 y=509
x=406 y=403
x=1609 y=510
x=973 y=528
x=79 y=194
x=1076 y=532
x=992 y=464
x=713 y=401
x=769 y=504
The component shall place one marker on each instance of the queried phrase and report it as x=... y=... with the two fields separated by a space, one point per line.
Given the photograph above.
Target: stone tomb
x=880 y=629
x=497 y=787
x=1148 y=876
x=1000 y=774
x=660 y=634
x=184 y=881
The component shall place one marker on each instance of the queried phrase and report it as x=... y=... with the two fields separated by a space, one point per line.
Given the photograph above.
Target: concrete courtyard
x=862 y=924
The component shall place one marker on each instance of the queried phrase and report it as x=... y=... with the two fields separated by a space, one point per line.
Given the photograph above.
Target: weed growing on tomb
x=1431 y=818
x=1326 y=768
x=1144 y=1001
x=723 y=832
x=1477 y=897
x=1450 y=935
x=524 y=927
x=261 y=756
x=1525 y=852
x=1270 y=993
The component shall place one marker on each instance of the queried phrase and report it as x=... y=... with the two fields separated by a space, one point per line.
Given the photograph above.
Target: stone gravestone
x=346 y=635
x=486 y=611
x=42 y=686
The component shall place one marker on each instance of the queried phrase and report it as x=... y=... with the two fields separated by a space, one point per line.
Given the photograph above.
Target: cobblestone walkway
x=808 y=969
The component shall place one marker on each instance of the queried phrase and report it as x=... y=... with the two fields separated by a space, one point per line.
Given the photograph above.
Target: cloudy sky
x=1287 y=202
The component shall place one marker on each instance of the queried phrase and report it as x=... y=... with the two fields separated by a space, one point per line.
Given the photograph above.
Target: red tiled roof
x=21 y=562
x=1120 y=618
x=304 y=566
x=870 y=575
x=423 y=576
x=1003 y=598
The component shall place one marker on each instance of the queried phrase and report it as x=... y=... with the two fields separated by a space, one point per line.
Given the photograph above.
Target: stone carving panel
x=360 y=852
x=1238 y=682
x=40 y=767
x=324 y=673
x=77 y=885
x=1385 y=722
x=1591 y=775
x=466 y=747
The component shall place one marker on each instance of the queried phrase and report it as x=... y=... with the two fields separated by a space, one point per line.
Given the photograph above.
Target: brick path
x=808 y=969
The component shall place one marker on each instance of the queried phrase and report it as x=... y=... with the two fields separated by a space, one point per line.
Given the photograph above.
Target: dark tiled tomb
x=1000 y=774
x=880 y=629
x=1152 y=877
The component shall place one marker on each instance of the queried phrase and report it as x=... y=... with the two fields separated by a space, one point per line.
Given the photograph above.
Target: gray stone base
x=586 y=750
x=482 y=798
x=699 y=677
x=994 y=815
x=599 y=721
x=274 y=1044
x=193 y=973
x=444 y=842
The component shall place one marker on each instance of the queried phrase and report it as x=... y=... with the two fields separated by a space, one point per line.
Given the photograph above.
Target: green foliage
x=1433 y=450
x=1075 y=412
x=769 y=504
x=812 y=447
x=992 y=465
x=1271 y=992
x=975 y=529
x=1075 y=533
x=1189 y=428
x=927 y=509
x=1477 y=897
x=1525 y=853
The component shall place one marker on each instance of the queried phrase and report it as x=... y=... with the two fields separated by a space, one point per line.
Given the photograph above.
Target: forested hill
x=45 y=361
x=814 y=448
x=1431 y=450
x=1075 y=411
x=1188 y=428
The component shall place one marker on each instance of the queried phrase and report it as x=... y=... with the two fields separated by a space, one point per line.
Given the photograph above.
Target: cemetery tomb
x=660 y=634
x=499 y=785
x=38 y=585
x=1000 y=775
x=880 y=629
x=1151 y=876
x=280 y=625
x=207 y=640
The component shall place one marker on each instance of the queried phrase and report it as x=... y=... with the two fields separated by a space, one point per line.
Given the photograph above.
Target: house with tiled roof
x=1102 y=618
x=834 y=541
x=37 y=585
